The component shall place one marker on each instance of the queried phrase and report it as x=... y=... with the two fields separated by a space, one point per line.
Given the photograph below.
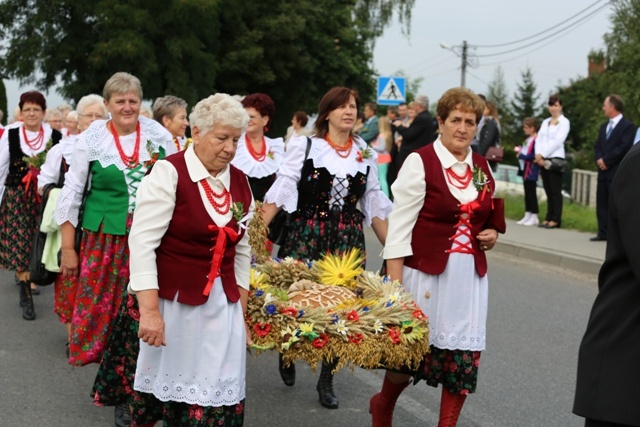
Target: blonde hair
x=384 y=129
x=219 y=109
x=122 y=82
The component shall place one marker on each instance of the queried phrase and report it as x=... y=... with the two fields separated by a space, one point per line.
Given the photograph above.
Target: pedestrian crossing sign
x=392 y=90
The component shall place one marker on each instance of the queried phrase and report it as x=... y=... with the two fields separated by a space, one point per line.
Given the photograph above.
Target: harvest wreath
x=333 y=309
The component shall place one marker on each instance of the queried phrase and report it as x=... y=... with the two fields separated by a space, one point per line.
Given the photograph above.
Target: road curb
x=557 y=258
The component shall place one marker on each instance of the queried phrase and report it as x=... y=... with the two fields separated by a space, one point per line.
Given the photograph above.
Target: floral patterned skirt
x=65 y=288
x=456 y=370
x=102 y=286
x=310 y=238
x=18 y=225
x=114 y=382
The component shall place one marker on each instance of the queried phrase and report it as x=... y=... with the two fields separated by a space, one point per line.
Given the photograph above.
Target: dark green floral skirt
x=456 y=370
x=310 y=237
x=18 y=225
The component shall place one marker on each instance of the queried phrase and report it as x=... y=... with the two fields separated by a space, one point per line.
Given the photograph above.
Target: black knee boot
x=26 y=301
x=325 y=386
x=288 y=374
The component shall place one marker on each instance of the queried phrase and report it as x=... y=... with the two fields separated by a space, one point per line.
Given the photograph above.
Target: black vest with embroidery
x=17 y=166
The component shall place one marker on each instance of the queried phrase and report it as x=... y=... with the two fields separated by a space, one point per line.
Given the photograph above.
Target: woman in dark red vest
x=189 y=268
x=444 y=193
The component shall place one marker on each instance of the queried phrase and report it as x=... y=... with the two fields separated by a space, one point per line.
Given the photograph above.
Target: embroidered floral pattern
x=18 y=213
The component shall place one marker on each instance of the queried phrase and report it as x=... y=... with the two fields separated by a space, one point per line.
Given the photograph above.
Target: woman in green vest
x=111 y=158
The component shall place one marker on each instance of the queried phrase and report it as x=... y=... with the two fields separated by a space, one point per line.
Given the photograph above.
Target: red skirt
x=102 y=285
x=65 y=297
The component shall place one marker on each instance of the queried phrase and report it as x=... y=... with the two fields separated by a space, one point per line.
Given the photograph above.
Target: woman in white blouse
x=18 y=190
x=444 y=219
x=109 y=161
x=90 y=108
x=190 y=263
x=320 y=184
x=550 y=155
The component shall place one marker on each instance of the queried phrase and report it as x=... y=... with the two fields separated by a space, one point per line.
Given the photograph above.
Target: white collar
x=615 y=120
x=197 y=171
x=447 y=159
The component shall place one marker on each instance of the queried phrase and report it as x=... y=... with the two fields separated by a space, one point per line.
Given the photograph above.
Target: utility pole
x=463 y=67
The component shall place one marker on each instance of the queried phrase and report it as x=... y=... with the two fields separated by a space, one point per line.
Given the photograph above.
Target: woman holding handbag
x=529 y=170
x=320 y=184
x=489 y=139
x=550 y=156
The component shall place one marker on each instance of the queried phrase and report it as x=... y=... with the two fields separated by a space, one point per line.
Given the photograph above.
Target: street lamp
x=462 y=54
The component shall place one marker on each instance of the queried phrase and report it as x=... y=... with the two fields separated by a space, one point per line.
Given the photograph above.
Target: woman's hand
x=249 y=340
x=151 y=328
x=69 y=262
x=487 y=239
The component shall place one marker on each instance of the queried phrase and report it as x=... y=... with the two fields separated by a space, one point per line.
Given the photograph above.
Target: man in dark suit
x=608 y=380
x=421 y=131
x=614 y=140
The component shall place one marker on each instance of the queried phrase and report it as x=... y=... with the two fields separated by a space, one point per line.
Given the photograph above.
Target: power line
x=581 y=20
x=536 y=49
x=541 y=32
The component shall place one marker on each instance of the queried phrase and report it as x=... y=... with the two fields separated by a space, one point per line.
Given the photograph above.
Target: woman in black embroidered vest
x=22 y=150
x=444 y=194
x=321 y=191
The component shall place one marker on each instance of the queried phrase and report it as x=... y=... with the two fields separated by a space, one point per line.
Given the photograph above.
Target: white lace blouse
x=97 y=144
x=284 y=191
x=251 y=167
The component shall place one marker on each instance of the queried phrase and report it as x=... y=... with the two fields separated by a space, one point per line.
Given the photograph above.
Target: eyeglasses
x=96 y=116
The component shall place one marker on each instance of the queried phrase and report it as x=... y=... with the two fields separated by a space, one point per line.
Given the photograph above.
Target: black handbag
x=40 y=275
x=280 y=224
x=79 y=231
x=555 y=164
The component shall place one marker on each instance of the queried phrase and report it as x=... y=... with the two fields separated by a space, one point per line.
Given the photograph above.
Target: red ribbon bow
x=224 y=233
x=31 y=176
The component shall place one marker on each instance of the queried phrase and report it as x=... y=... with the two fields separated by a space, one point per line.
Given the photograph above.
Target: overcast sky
x=560 y=58
x=555 y=60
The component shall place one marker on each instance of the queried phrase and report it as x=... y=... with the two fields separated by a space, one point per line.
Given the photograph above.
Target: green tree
x=525 y=103
x=497 y=92
x=292 y=50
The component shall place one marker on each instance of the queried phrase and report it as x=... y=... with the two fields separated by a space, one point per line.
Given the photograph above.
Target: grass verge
x=574 y=216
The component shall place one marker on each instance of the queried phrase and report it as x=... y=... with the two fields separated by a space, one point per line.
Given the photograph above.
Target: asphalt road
x=536 y=319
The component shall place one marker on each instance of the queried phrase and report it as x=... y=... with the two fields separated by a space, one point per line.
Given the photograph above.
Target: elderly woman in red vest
x=444 y=196
x=190 y=263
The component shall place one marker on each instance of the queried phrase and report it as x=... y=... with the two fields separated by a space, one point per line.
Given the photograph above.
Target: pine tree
x=525 y=103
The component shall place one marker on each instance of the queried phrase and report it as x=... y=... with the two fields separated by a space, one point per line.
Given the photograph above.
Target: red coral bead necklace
x=259 y=156
x=340 y=150
x=460 y=182
x=134 y=159
x=221 y=207
x=36 y=143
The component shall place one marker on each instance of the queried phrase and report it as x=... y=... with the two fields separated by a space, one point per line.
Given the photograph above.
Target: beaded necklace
x=223 y=207
x=340 y=151
x=259 y=156
x=36 y=143
x=459 y=182
x=129 y=161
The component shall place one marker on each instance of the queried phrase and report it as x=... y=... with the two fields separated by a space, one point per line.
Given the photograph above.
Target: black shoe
x=35 y=291
x=287 y=374
x=598 y=238
x=26 y=302
x=122 y=415
x=325 y=387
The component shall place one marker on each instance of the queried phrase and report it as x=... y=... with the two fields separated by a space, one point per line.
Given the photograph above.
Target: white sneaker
x=533 y=220
x=526 y=217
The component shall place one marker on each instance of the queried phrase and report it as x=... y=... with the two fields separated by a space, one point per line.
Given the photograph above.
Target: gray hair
x=219 y=109
x=64 y=108
x=73 y=115
x=167 y=106
x=122 y=82
x=54 y=112
x=423 y=101
x=89 y=100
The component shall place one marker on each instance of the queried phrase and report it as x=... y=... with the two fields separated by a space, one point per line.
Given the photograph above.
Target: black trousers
x=552 y=182
x=530 y=196
x=605 y=178
x=595 y=423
